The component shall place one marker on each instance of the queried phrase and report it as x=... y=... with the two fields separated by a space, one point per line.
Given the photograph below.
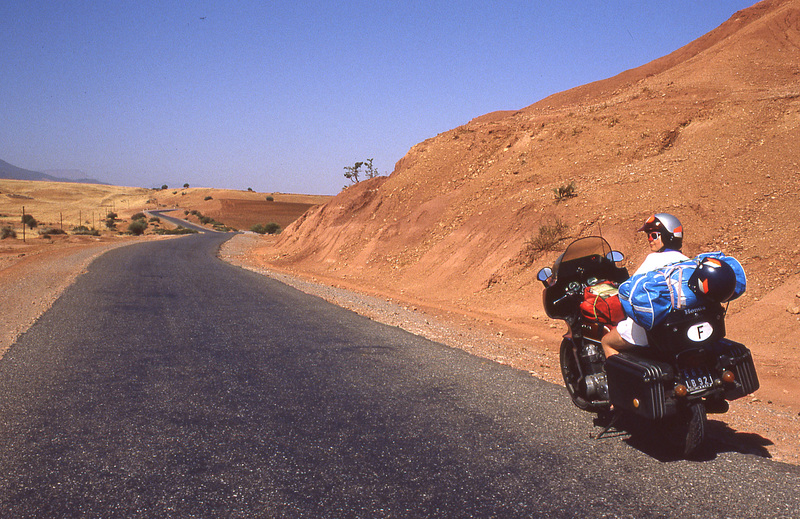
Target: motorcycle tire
x=573 y=379
x=686 y=431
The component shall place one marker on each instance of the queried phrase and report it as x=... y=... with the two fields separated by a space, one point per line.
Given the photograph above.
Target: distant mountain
x=9 y=171
x=71 y=175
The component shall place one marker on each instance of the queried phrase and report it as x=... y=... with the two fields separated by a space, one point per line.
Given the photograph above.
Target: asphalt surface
x=166 y=383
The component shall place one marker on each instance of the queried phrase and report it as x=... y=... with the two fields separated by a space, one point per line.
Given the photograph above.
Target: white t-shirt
x=629 y=330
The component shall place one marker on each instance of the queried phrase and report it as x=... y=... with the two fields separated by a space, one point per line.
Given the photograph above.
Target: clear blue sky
x=282 y=95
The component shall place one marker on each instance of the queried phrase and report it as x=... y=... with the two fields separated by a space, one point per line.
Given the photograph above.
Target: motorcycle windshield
x=581 y=248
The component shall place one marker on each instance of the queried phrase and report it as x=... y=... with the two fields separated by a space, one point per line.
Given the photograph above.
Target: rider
x=665 y=236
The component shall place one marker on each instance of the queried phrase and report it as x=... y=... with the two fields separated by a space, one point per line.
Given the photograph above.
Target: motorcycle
x=688 y=370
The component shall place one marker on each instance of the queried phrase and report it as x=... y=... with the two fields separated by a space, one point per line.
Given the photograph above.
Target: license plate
x=697 y=379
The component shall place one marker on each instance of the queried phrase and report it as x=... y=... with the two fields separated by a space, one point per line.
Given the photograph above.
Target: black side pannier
x=738 y=359
x=640 y=385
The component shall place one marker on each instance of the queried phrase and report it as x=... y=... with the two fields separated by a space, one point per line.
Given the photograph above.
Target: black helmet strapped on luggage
x=713 y=279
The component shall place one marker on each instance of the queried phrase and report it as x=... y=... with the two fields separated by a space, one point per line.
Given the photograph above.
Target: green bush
x=82 y=230
x=221 y=227
x=179 y=230
x=270 y=228
x=139 y=216
x=8 y=232
x=209 y=198
x=565 y=191
x=548 y=236
x=137 y=227
x=29 y=220
x=51 y=232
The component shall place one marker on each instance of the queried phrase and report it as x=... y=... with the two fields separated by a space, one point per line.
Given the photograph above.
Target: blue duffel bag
x=649 y=297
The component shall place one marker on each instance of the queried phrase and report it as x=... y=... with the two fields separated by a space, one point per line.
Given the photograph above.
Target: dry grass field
x=64 y=206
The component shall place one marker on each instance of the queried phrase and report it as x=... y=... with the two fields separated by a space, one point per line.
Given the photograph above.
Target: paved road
x=180 y=222
x=166 y=383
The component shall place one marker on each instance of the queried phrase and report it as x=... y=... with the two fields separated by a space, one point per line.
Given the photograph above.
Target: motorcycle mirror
x=615 y=256
x=544 y=274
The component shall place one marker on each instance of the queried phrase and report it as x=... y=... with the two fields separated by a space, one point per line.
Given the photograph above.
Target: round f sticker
x=699 y=332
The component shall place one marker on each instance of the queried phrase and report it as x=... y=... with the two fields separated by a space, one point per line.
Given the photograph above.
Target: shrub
x=270 y=199
x=83 y=230
x=270 y=228
x=139 y=216
x=8 y=232
x=565 y=191
x=29 y=220
x=155 y=219
x=137 y=227
x=209 y=197
x=548 y=236
x=353 y=172
x=179 y=230
x=51 y=232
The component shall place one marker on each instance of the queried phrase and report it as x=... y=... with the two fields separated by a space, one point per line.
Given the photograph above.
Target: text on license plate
x=697 y=379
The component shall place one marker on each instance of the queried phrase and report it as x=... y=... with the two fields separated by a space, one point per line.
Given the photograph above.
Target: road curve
x=166 y=383
x=178 y=221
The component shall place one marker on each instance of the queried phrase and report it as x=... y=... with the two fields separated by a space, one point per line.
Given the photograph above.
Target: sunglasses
x=653 y=236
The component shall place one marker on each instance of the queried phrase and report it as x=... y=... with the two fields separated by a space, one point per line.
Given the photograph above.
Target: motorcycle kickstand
x=614 y=419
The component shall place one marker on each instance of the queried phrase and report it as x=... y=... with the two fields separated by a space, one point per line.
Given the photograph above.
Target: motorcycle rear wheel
x=686 y=431
x=573 y=379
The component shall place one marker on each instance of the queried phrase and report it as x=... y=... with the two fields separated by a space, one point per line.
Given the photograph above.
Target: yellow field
x=64 y=205
x=57 y=204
